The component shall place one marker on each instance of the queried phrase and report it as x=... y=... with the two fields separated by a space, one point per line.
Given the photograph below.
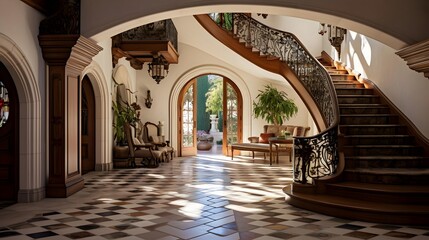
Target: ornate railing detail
x=315 y=156
x=161 y=30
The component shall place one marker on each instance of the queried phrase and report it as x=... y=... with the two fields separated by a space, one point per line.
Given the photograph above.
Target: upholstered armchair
x=146 y=151
x=152 y=134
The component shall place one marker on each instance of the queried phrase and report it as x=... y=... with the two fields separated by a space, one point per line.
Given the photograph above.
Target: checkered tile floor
x=206 y=197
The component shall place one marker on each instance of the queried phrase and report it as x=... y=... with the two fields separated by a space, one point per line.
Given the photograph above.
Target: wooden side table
x=275 y=141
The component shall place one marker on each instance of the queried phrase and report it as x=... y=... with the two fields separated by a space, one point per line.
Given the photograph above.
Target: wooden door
x=232 y=117
x=187 y=119
x=9 y=137
x=87 y=127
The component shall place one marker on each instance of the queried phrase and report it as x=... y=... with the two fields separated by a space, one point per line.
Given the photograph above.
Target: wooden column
x=66 y=56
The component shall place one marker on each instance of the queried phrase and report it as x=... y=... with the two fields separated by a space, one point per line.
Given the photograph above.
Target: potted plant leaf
x=274 y=106
x=124 y=113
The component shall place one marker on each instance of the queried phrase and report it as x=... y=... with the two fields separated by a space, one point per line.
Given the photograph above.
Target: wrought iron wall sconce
x=148 y=100
x=322 y=29
x=335 y=36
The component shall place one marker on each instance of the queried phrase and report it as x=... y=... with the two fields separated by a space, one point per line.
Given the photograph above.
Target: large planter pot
x=120 y=152
x=120 y=156
x=204 y=145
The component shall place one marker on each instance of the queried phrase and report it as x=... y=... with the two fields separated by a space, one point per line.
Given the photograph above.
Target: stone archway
x=32 y=173
x=103 y=122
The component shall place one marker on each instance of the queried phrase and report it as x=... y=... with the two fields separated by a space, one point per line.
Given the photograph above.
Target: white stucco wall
x=21 y=23
x=377 y=62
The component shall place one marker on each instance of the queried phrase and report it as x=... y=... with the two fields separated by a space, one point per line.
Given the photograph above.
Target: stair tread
x=388 y=188
x=346 y=81
x=385 y=157
x=359 y=105
x=372 y=125
x=383 y=146
x=358 y=95
x=379 y=136
x=353 y=203
x=341 y=74
x=369 y=106
x=397 y=171
x=369 y=115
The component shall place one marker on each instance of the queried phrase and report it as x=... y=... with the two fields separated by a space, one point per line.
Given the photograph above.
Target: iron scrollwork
x=315 y=157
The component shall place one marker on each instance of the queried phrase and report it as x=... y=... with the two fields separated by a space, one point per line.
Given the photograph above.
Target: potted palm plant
x=274 y=106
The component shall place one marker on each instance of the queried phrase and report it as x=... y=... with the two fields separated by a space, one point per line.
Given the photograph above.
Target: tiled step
x=387 y=129
x=363 y=210
x=386 y=162
x=383 y=193
x=358 y=99
x=363 y=109
x=342 y=77
x=361 y=119
x=383 y=150
x=354 y=91
x=394 y=176
x=379 y=140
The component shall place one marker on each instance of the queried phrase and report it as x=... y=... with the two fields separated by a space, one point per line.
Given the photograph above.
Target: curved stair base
x=350 y=208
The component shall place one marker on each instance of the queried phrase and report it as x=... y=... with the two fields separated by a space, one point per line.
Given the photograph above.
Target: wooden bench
x=257 y=147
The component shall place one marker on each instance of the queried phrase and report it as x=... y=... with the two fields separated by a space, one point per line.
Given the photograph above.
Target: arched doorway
x=87 y=126
x=190 y=113
x=9 y=137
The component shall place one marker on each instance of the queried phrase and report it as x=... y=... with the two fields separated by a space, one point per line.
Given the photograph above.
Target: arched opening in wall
x=87 y=126
x=210 y=110
x=9 y=138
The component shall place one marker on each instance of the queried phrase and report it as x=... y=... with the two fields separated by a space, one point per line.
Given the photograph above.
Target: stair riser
x=387 y=178
x=358 y=100
x=345 y=85
x=373 y=130
x=333 y=71
x=379 y=151
x=377 y=196
x=343 y=77
x=363 y=110
x=352 y=163
x=355 y=91
x=379 y=140
x=359 y=120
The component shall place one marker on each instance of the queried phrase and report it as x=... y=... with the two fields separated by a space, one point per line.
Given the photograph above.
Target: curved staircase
x=383 y=175
x=386 y=175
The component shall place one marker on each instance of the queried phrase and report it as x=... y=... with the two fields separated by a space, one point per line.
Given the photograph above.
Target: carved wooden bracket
x=417 y=57
x=141 y=44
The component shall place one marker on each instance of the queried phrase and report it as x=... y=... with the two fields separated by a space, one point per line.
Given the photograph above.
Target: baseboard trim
x=31 y=195
x=104 y=167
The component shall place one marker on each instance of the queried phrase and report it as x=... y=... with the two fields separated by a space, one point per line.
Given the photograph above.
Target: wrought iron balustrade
x=315 y=156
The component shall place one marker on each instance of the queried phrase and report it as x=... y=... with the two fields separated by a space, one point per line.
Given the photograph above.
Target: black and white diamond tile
x=201 y=198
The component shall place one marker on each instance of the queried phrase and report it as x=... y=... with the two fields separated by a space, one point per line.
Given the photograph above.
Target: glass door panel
x=232 y=118
x=188 y=138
